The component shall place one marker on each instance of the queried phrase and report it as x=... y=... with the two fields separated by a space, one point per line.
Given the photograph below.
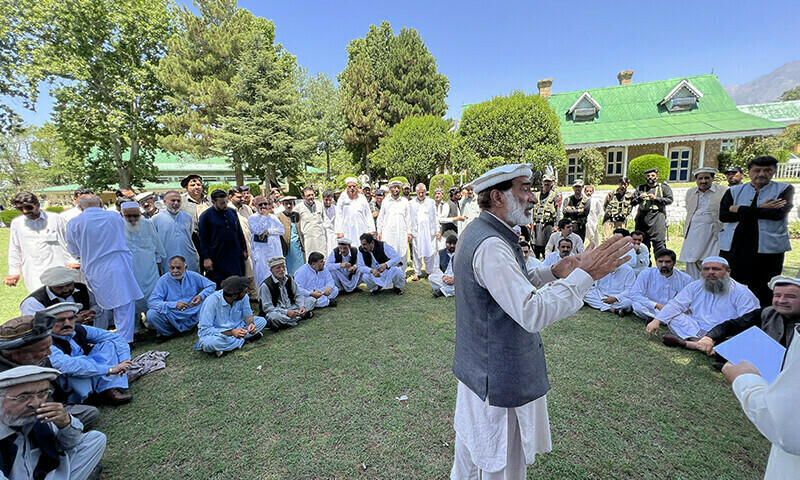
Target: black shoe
x=671 y=340
x=332 y=302
x=397 y=291
x=162 y=338
x=437 y=293
x=95 y=473
x=622 y=312
x=376 y=291
x=254 y=338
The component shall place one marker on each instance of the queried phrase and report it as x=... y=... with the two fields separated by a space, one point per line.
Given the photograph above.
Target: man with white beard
x=353 y=217
x=710 y=301
x=106 y=261
x=175 y=228
x=394 y=222
x=148 y=253
x=423 y=231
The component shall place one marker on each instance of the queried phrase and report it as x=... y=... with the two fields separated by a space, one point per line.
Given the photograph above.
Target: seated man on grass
x=531 y=262
x=640 y=255
x=656 y=286
x=612 y=292
x=342 y=264
x=60 y=284
x=174 y=305
x=280 y=300
x=564 y=250
x=93 y=362
x=226 y=319
x=379 y=265
x=565 y=230
x=704 y=304
x=316 y=282
x=442 y=279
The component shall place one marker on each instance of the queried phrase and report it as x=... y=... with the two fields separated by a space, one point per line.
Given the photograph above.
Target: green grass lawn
x=323 y=404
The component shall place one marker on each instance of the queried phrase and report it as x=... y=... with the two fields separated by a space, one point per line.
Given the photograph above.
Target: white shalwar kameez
x=353 y=218
x=595 y=211
x=36 y=245
x=469 y=209
x=552 y=258
x=393 y=276
x=640 y=261
x=652 y=288
x=442 y=210
x=312 y=227
x=616 y=284
x=148 y=252
x=342 y=278
x=423 y=231
x=701 y=241
x=707 y=310
x=107 y=263
x=436 y=274
x=496 y=442
x=328 y=223
x=394 y=224
x=532 y=263
x=308 y=280
x=266 y=232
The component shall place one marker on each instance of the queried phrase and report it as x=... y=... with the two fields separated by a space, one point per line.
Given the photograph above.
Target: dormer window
x=682 y=98
x=584 y=109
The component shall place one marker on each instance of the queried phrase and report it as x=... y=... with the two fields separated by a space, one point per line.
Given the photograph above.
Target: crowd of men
x=198 y=261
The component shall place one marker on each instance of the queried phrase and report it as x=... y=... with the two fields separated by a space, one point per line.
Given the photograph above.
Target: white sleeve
x=14 y=252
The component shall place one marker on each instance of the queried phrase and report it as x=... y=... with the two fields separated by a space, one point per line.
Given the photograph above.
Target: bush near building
x=639 y=165
x=443 y=181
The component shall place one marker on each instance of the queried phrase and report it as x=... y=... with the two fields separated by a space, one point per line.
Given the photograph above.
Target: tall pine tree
x=362 y=108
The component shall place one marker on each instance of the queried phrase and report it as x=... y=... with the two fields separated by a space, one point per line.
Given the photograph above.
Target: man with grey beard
x=37 y=437
x=709 y=301
x=175 y=228
x=148 y=253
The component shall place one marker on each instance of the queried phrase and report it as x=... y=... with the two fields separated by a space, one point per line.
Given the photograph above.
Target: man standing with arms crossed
x=501 y=417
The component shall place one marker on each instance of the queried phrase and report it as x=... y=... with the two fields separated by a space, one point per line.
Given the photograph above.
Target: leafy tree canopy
x=791 y=94
x=417 y=148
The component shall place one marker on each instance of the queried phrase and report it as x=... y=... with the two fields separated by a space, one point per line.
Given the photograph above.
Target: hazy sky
x=492 y=48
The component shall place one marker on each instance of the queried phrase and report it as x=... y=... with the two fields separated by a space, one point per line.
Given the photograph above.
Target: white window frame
x=727 y=145
x=678 y=172
x=615 y=167
x=574 y=169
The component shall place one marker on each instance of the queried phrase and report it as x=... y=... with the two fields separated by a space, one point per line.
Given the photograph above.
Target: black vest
x=337 y=255
x=275 y=292
x=377 y=251
x=444 y=260
x=42 y=437
x=80 y=295
x=79 y=338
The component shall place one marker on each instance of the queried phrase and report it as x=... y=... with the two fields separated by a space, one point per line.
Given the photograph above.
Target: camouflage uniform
x=617 y=208
x=545 y=216
x=576 y=209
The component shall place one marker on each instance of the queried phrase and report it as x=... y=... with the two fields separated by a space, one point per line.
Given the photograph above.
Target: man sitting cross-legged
x=709 y=301
x=778 y=321
x=226 y=319
x=531 y=262
x=441 y=278
x=280 y=299
x=342 y=264
x=93 y=362
x=38 y=438
x=563 y=250
x=174 y=305
x=316 y=282
x=612 y=292
x=640 y=255
x=379 y=264
x=656 y=286
x=565 y=230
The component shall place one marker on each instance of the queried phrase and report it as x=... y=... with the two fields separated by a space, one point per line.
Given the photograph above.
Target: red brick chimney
x=625 y=77
x=544 y=87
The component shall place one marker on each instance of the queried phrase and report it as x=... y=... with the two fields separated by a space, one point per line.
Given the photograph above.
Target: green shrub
x=794 y=229
x=638 y=166
x=443 y=181
x=255 y=189
x=218 y=186
x=55 y=209
x=593 y=165
x=399 y=179
x=7 y=215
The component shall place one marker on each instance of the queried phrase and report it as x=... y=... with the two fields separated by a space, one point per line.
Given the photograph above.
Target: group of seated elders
x=174 y=305
x=60 y=284
x=778 y=321
x=565 y=230
x=563 y=250
x=93 y=362
x=226 y=319
x=280 y=300
x=531 y=262
x=656 y=286
x=704 y=303
x=343 y=266
x=640 y=255
x=442 y=279
x=26 y=340
x=380 y=265
x=314 y=281
x=38 y=438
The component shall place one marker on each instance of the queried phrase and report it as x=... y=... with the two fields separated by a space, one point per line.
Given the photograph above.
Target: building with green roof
x=787 y=113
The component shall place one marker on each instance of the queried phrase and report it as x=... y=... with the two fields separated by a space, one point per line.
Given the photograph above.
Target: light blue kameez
x=162 y=313
x=175 y=233
x=294 y=259
x=216 y=316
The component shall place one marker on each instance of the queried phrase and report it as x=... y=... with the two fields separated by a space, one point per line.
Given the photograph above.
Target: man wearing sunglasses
x=36 y=242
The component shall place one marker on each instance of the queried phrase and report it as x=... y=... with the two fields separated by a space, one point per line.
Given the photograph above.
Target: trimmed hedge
x=399 y=179
x=255 y=189
x=7 y=215
x=55 y=209
x=443 y=180
x=219 y=186
x=638 y=166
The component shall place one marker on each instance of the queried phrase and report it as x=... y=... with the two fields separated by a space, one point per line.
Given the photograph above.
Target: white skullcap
x=276 y=261
x=500 y=175
x=714 y=258
x=57 y=276
x=712 y=171
x=395 y=183
x=27 y=374
x=350 y=180
x=62 y=307
x=143 y=195
x=344 y=241
x=126 y=205
x=778 y=279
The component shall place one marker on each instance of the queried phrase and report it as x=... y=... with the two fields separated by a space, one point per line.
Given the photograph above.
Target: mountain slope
x=766 y=88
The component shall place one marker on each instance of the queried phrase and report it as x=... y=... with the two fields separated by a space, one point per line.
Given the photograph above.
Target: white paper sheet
x=756 y=347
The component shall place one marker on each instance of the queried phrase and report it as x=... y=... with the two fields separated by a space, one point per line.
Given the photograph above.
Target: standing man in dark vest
x=499 y=360
x=652 y=198
x=61 y=285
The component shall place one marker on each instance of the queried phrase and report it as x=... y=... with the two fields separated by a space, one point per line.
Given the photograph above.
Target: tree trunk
x=366 y=161
x=328 y=161
x=123 y=171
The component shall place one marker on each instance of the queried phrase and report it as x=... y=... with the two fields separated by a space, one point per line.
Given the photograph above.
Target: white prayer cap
x=58 y=276
x=395 y=183
x=276 y=261
x=143 y=196
x=712 y=171
x=500 y=175
x=126 y=205
x=27 y=374
x=62 y=307
x=781 y=280
x=344 y=241
x=517 y=229
x=349 y=180
x=716 y=259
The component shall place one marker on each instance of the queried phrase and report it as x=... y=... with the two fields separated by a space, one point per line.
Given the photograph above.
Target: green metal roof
x=147 y=186
x=787 y=113
x=632 y=112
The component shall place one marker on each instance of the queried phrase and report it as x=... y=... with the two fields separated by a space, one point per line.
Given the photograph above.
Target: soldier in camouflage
x=617 y=207
x=576 y=208
x=545 y=215
x=653 y=198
